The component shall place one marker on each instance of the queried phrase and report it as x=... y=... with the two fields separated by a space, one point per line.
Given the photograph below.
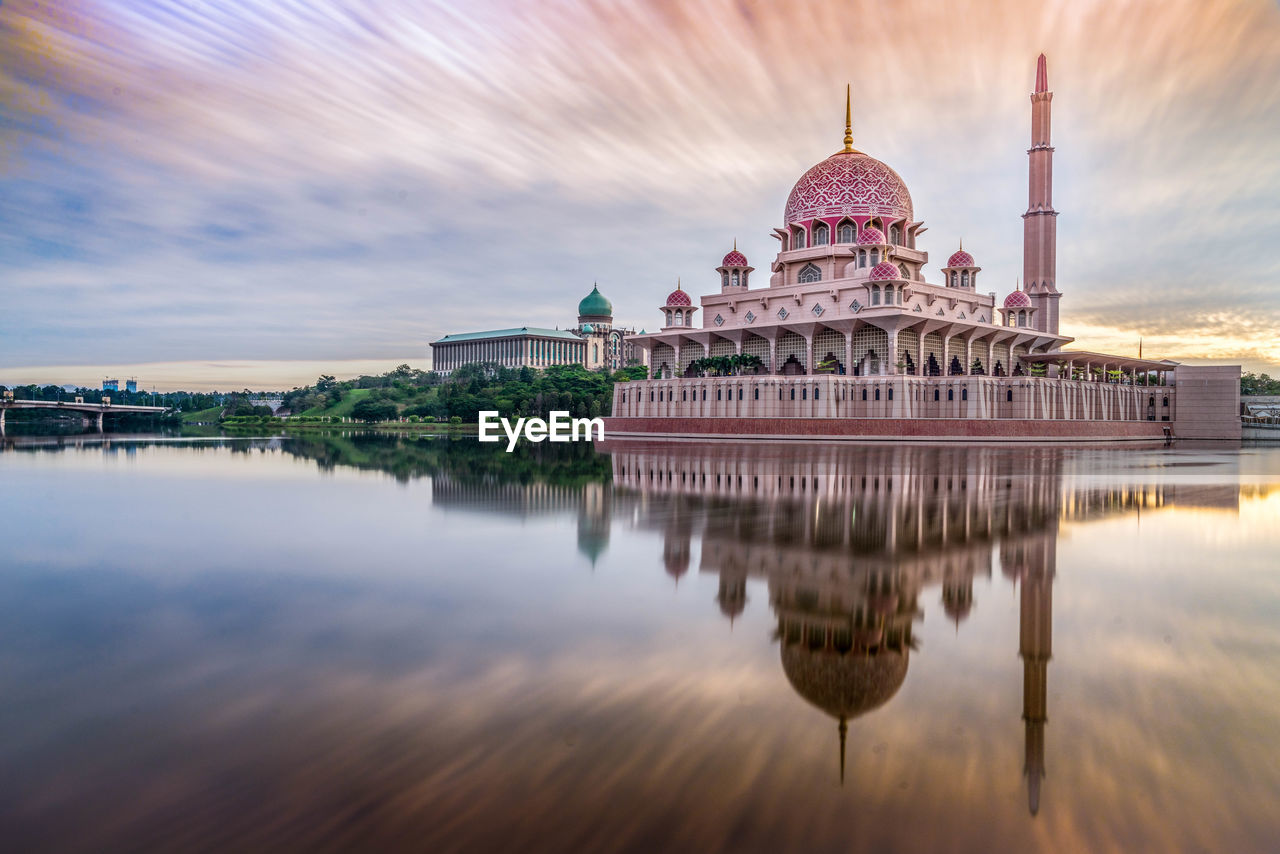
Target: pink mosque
x=848 y=340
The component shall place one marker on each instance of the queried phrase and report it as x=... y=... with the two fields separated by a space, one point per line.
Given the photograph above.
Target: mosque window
x=797 y=238
x=718 y=321
x=810 y=273
x=875 y=294
x=1008 y=396
x=875 y=257
x=1022 y=317
x=891 y=394
x=736 y=281
x=821 y=234
x=955 y=279
x=782 y=313
x=844 y=234
x=724 y=279
x=964 y=394
x=902 y=268
x=817 y=310
x=864 y=394
x=595 y=352
x=964 y=279
x=855 y=306
x=862 y=258
x=951 y=394
x=895 y=235
x=750 y=318
x=756 y=394
x=877 y=394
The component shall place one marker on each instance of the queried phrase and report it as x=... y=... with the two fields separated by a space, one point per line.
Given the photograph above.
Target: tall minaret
x=1040 y=228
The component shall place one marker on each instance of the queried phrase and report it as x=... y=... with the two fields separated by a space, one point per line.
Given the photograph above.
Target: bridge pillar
x=100 y=416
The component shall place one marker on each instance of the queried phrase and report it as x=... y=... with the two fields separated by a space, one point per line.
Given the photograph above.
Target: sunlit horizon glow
x=242 y=190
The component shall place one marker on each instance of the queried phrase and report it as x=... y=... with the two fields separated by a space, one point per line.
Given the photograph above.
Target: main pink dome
x=848 y=183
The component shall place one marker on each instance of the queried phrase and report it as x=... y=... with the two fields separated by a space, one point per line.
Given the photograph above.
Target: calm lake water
x=362 y=642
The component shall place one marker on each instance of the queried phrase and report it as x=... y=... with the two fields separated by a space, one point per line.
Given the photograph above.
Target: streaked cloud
x=331 y=181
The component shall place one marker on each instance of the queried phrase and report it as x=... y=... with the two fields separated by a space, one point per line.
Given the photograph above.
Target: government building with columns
x=847 y=338
x=593 y=343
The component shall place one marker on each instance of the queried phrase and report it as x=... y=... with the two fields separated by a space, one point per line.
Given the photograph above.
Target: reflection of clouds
x=335 y=164
x=313 y=698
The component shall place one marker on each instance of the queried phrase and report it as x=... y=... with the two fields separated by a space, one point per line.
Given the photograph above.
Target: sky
x=232 y=194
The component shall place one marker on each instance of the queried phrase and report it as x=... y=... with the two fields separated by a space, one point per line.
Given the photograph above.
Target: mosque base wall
x=899 y=407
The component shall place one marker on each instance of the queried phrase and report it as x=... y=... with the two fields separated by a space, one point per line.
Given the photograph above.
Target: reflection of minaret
x=1034 y=560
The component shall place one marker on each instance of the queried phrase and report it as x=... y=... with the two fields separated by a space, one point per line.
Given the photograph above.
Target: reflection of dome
x=1017 y=299
x=678 y=297
x=871 y=237
x=595 y=304
x=844 y=685
x=848 y=183
x=593 y=540
x=884 y=271
x=960 y=259
x=676 y=561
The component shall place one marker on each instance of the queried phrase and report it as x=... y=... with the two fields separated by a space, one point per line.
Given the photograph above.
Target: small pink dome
x=870 y=237
x=961 y=259
x=734 y=259
x=678 y=297
x=885 y=271
x=1017 y=299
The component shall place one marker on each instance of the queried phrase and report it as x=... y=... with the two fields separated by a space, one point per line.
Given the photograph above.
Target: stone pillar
x=773 y=355
x=808 y=354
x=893 y=352
x=968 y=356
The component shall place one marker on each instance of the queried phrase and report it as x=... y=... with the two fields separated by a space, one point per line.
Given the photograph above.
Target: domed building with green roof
x=594 y=342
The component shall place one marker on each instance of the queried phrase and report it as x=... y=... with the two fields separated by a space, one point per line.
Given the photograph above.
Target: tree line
x=426 y=395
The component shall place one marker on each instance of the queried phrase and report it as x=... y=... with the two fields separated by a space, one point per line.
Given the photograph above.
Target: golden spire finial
x=1017 y=283
x=962 y=244
x=848 y=118
x=735 y=244
x=678 y=284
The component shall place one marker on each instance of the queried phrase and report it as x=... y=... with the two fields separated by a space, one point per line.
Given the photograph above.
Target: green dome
x=594 y=304
x=587 y=328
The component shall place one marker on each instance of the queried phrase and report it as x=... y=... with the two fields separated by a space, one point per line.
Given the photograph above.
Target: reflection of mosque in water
x=847 y=539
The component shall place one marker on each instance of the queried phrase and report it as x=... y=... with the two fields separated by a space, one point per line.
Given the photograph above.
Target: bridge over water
x=98 y=410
